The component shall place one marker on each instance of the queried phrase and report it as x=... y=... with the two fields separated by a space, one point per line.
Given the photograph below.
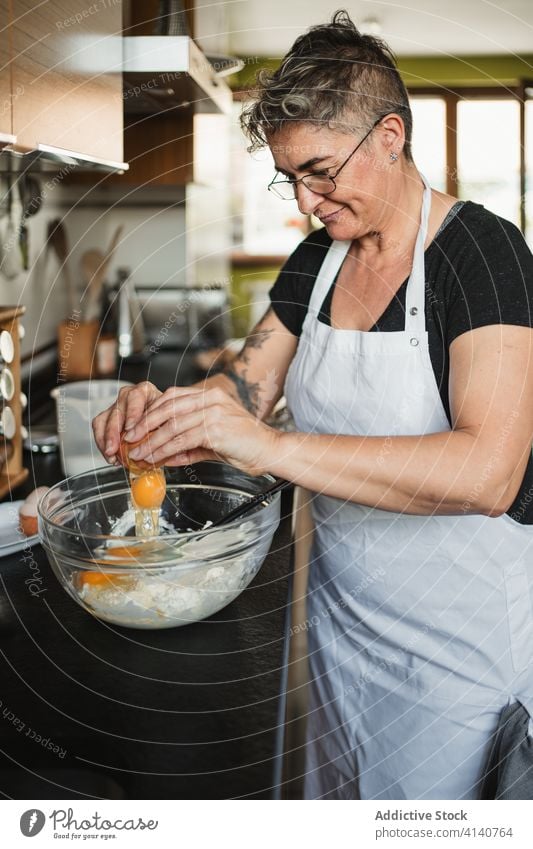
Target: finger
x=114 y=423
x=169 y=433
x=99 y=424
x=192 y=440
x=137 y=400
x=187 y=458
x=112 y=431
x=165 y=397
x=173 y=392
x=117 y=414
x=169 y=410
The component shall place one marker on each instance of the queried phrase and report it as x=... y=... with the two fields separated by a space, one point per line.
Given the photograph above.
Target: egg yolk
x=107 y=580
x=101 y=579
x=149 y=489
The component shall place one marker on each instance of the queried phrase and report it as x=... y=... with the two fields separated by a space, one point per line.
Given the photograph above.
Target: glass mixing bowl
x=87 y=527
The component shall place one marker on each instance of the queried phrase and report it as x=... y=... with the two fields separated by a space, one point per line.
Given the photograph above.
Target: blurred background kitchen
x=107 y=83
x=137 y=232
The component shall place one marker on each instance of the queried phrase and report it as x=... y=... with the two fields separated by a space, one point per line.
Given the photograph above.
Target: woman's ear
x=392 y=135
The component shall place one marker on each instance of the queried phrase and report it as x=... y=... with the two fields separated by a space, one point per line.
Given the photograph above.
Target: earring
x=393 y=156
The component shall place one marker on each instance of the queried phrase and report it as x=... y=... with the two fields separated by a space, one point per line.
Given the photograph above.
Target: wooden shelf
x=6 y=124
x=13 y=472
x=9 y=482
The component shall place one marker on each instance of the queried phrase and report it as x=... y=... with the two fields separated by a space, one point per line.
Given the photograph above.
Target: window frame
x=451 y=97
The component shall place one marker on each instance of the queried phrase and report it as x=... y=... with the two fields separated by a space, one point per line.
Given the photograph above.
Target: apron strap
x=325 y=277
x=415 y=296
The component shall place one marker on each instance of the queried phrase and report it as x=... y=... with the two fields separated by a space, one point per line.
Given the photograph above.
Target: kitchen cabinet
x=67 y=76
x=6 y=127
x=160 y=151
x=175 y=150
x=141 y=17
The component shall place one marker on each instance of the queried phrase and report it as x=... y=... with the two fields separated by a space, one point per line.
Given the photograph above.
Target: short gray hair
x=331 y=73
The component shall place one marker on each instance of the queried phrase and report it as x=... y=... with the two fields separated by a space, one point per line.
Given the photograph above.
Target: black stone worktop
x=94 y=710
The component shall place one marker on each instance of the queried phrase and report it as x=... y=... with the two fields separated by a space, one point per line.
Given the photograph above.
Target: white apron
x=420 y=627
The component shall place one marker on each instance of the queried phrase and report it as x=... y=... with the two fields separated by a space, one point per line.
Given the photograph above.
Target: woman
x=401 y=336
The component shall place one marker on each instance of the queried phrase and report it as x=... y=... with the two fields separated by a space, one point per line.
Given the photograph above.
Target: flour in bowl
x=178 y=594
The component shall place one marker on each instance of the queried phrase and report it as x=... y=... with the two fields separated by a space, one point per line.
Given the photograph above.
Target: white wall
x=153 y=246
x=40 y=289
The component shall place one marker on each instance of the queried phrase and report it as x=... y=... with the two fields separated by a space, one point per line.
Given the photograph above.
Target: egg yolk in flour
x=103 y=580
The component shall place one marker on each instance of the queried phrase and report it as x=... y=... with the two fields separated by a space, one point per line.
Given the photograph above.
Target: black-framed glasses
x=320 y=184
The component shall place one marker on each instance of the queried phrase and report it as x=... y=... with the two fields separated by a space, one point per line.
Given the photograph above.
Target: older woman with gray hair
x=400 y=334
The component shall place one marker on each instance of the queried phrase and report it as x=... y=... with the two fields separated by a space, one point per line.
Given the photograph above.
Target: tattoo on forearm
x=248 y=392
x=256 y=339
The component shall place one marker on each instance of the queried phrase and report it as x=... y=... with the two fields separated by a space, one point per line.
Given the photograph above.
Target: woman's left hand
x=188 y=425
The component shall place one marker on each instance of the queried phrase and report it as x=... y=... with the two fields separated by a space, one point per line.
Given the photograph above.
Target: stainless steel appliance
x=185 y=316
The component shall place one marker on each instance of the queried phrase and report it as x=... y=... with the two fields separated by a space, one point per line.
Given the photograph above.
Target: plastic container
x=182 y=575
x=76 y=406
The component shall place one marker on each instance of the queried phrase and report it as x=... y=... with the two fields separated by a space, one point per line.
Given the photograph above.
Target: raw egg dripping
x=148 y=490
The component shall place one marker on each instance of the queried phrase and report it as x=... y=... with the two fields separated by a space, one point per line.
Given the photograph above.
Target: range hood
x=162 y=72
x=6 y=140
x=46 y=158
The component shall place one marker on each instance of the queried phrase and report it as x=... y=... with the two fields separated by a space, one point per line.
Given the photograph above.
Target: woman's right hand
x=125 y=413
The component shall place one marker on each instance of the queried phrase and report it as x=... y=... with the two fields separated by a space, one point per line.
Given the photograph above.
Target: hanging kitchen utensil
x=90 y=264
x=131 y=335
x=24 y=240
x=57 y=238
x=94 y=267
x=31 y=201
x=171 y=19
x=11 y=264
x=23 y=230
x=4 y=193
x=137 y=322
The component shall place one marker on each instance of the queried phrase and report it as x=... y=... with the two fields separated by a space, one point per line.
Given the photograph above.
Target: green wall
x=427 y=70
x=242 y=282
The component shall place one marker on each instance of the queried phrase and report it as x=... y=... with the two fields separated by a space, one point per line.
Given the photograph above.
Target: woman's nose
x=306 y=199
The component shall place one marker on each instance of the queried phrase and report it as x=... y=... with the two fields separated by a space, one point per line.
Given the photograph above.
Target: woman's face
x=361 y=202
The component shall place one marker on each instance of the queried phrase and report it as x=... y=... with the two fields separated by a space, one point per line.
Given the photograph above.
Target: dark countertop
x=90 y=709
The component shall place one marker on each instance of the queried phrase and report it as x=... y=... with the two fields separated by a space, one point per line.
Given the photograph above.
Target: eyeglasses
x=320 y=184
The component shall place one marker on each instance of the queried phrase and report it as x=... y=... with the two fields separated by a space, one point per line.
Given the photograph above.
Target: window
x=483 y=159
x=429 y=139
x=488 y=155
x=528 y=181
x=262 y=224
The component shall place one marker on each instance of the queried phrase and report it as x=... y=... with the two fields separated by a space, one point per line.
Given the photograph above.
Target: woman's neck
x=399 y=225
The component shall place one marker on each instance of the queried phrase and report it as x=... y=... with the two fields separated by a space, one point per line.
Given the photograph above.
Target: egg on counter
x=28 y=511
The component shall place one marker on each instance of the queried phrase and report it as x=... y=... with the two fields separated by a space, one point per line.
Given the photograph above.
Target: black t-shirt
x=479 y=271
